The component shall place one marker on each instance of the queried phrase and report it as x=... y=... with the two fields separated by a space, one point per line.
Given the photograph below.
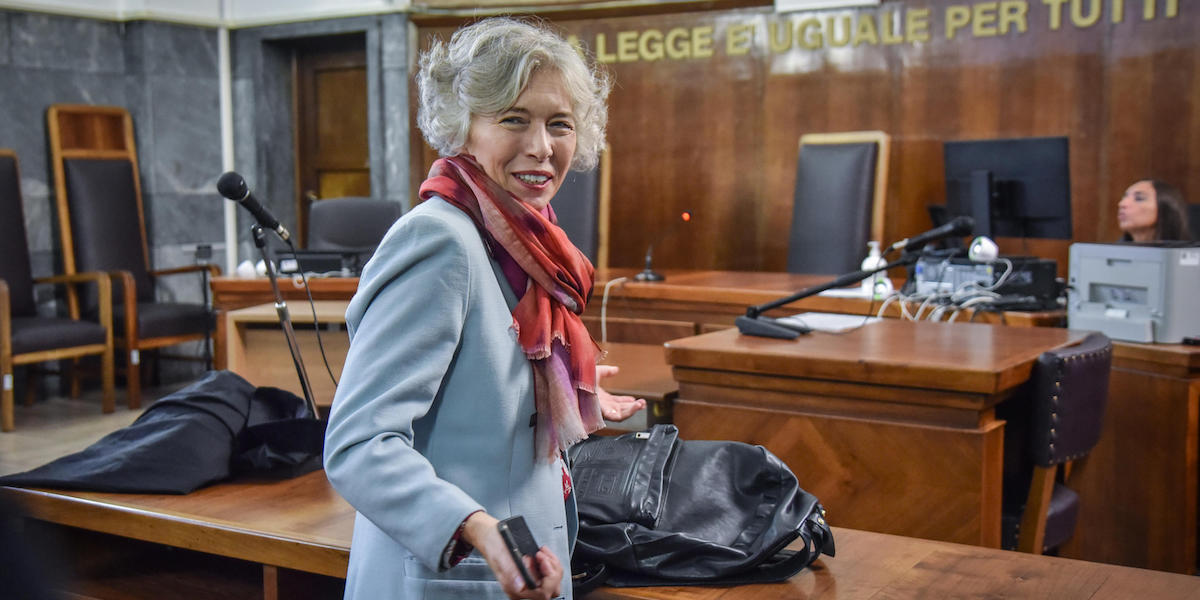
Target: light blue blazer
x=433 y=415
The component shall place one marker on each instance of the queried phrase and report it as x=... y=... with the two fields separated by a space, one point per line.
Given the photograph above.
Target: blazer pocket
x=469 y=580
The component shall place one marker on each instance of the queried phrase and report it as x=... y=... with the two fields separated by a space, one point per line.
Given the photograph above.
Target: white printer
x=1136 y=292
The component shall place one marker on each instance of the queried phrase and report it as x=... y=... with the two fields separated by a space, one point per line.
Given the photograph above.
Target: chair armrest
x=5 y=328
x=85 y=277
x=103 y=290
x=213 y=270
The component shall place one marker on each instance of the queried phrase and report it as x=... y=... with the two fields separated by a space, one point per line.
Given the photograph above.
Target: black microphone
x=960 y=226
x=648 y=273
x=233 y=186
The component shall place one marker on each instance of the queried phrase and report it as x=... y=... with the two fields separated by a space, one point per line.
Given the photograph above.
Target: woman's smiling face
x=528 y=147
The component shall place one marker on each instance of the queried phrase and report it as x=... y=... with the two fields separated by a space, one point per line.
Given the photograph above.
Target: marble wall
x=166 y=76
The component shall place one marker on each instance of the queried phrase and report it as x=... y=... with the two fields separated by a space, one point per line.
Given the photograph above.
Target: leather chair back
x=833 y=207
x=350 y=223
x=1069 y=392
x=577 y=206
x=15 y=269
x=105 y=222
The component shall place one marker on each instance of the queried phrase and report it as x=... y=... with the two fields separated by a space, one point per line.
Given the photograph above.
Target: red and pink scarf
x=546 y=318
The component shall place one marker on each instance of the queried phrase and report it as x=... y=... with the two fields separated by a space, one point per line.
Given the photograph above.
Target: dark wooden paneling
x=719 y=135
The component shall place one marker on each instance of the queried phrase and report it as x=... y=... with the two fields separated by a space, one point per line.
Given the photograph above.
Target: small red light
x=686 y=216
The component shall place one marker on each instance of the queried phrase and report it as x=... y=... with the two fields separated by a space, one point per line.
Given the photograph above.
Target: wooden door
x=332 y=157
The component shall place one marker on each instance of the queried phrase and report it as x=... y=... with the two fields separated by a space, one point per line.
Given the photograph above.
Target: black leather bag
x=657 y=510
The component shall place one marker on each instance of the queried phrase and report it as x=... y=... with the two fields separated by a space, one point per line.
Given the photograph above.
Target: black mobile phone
x=1191 y=341
x=520 y=543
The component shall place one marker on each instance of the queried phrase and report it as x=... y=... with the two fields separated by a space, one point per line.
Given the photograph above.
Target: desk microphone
x=960 y=226
x=648 y=273
x=233 y=186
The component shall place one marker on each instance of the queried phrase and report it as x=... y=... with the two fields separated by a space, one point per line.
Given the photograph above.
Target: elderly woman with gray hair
x=469 y=370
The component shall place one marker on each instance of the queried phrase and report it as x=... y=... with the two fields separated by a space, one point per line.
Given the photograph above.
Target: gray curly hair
x=487 y=65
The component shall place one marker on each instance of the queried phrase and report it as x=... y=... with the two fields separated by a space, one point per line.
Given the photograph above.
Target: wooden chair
x=1057 y=422
x=582 y=208
x=840 y=194
x=103 y=228
x=26 y=337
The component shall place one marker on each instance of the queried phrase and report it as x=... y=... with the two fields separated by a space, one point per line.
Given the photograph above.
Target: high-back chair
x=841 y=187
x=25 y=336
x=351 y=223
x=103 y=228
x=1057 y=422
x=582 y=208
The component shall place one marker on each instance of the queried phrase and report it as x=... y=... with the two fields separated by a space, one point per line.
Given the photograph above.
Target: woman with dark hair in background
x=1152 y=211
x=470 y=371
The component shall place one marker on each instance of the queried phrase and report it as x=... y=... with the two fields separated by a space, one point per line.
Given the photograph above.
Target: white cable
x=886 y=302
x=936 y=314
x=604 y=309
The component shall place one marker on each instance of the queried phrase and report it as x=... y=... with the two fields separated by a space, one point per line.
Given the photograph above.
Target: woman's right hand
x=480 y=531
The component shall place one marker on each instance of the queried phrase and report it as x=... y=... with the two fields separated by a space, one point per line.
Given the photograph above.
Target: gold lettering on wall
x=1079 y=19
x=957 y=17
x=738 y=39
x=779 y=36
x=650 y=45
x=886 y=26
x=917 y=25
x=1014 y=13
x=983 y=19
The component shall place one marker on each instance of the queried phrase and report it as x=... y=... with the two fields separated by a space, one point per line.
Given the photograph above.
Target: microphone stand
x=755 y=323
x=285 y=321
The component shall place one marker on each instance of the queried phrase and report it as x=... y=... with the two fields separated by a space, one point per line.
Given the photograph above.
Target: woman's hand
x=615 y=408
x=481 y=533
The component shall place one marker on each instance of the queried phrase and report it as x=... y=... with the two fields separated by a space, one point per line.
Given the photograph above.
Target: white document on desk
x=828 y=322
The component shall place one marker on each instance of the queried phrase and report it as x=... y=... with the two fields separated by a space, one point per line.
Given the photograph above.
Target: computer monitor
x=1017 y=187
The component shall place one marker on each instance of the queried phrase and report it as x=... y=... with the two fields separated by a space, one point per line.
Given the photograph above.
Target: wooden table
x=892 y=426
x=710 y=300
x=259 y=539
x=1138 y=488
x=686 y=303
x=291 y=539
x=257 y=350
x=231 y=293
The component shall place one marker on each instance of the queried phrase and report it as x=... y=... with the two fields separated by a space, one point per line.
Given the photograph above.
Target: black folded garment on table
x=214 y=428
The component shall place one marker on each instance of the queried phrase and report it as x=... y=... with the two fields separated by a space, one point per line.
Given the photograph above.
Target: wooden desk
x=892 y=426
x=257 y=350
x=276 y=531
x=713 y=299
x=284 y=530
x=1138 y=487
x=687 y=303
x=877 y=566
x=231 y=293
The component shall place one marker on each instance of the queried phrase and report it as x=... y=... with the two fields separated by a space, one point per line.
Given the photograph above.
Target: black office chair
x=1193 y=213
x=351 y=224
x=581 y=206
x=25 y=336
x=1056 y=422
x=841 y=185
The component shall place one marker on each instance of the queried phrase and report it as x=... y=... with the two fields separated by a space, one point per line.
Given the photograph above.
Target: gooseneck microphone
x=233 y=186
x=960 y=226
x=648 y=273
